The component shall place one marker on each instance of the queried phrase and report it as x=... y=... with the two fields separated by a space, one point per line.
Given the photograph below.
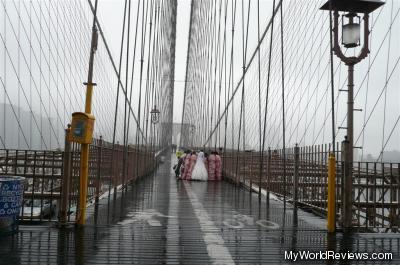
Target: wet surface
x=160 y=220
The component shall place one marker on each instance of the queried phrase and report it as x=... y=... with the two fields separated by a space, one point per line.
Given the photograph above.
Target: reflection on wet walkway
x=160 y=220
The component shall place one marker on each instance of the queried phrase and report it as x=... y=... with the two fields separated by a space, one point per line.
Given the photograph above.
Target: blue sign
x=11 y=195
x=79 y=129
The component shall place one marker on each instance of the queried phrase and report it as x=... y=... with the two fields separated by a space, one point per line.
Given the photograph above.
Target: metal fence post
x=65 y=179
x=268 y=186
x=115 y=173
x=331 y=193
x=342 y=166
x=296 y=174
x=251 y=171
x=347 y=183
x=99 y=162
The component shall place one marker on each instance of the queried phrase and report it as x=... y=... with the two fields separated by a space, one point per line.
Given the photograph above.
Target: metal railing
x=106 y=169
x=52 y=177
x=42 y=171
x=304 y=182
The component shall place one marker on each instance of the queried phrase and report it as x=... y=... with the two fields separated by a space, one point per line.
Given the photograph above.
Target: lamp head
x=351 y=27
x=353 y=6
x=155 y=115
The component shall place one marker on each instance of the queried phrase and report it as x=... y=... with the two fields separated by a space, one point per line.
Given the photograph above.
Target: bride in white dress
x=200 y=170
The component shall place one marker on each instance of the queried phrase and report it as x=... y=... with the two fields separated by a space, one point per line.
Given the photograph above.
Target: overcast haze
x=45 y=55
x=111 y=14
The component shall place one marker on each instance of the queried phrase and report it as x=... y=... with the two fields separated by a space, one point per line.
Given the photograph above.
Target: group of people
x=199 y=166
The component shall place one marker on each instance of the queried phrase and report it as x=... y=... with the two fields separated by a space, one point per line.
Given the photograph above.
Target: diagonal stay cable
x=247 y=67
x=115 y=70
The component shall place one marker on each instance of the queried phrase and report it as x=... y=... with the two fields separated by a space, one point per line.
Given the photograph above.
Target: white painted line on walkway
x=172 y=243
x=216 y=249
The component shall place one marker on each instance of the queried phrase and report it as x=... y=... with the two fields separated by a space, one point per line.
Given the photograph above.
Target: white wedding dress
x=200 y=170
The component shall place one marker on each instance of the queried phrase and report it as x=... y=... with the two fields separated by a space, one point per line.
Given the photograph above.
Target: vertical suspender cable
x=30 y=76
x=241 y=101
x=132 y=74
x=49 y=65
x=366 y=95
x=125 y=144
x=40 y=79
x=142 y=47
x=233 y=76
x=332 y=78
x=239 y=83
x=244 y=73
x=150 y=65
x=267 y=92
x=184 y=130
x=5 y=74
x=387 y=81
x=19 y=72
x=223 y=74
x=213 y=105
x=230 y=78
x=259 y=101
x=244 y=53
x=283 y=111
x=116 y=105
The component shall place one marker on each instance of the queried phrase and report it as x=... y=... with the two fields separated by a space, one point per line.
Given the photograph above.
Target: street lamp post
x=155 y=118
x=351 y=28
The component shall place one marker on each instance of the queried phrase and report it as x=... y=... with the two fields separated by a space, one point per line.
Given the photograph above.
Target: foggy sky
x=383 y=59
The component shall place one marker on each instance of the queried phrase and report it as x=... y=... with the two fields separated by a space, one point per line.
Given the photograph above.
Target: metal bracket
x=93 y=84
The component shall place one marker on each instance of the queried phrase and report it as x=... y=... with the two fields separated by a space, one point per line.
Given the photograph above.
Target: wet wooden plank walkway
x=160 y=220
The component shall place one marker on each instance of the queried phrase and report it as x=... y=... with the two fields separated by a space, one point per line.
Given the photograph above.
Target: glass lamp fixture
x=351 y=31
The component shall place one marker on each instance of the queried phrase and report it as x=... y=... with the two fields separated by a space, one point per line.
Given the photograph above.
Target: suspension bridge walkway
x=300 y=99
x=162 y=220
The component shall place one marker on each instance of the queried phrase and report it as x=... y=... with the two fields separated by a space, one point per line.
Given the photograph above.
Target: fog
x=44 y=57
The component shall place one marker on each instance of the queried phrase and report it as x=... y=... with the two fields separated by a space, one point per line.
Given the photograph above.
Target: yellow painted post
x=84 y=167
x=89 y=92
x=331 y=193
x=83 y=183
